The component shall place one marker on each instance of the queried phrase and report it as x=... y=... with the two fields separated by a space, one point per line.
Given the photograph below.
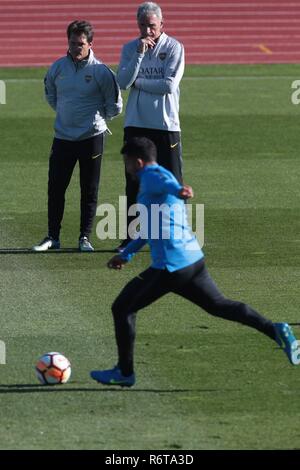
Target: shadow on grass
x=32 y=388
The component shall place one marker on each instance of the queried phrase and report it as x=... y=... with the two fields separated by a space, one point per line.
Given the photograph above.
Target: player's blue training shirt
x=163 y=221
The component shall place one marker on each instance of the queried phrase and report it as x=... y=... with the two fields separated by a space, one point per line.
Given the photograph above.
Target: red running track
x=32 y=32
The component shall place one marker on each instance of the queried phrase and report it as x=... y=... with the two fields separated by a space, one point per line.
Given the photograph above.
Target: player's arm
x=113 y=103
x=173 y=74
x=161 y=183
x=118 y=261
x=50 y=89
x=129 y=66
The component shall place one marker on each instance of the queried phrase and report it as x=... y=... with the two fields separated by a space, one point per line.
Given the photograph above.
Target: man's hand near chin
x=145 y=43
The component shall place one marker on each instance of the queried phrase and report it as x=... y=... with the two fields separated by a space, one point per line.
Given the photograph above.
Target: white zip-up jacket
x=84 y=95
x=153 y=79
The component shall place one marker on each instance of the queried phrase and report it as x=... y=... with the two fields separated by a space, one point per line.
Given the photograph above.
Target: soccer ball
x=53 y=368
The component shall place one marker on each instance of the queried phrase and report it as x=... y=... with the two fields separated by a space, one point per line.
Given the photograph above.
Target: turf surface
x=202 y=383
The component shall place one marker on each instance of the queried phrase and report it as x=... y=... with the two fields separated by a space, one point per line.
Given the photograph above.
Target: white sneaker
x=47 y=244
x=85 y=245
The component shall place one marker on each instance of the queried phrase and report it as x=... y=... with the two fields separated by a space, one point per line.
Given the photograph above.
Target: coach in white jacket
x=84 y=94
x=152 y=67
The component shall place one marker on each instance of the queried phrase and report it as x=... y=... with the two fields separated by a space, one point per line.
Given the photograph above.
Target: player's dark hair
x=79 y=27
x=140 y=147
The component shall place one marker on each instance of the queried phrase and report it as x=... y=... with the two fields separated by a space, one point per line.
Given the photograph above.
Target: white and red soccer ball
x=53 y=368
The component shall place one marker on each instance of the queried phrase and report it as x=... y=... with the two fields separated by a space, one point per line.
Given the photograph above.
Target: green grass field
x=202 y=383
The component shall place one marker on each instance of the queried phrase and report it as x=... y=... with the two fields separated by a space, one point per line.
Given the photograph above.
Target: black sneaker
x=113 y=377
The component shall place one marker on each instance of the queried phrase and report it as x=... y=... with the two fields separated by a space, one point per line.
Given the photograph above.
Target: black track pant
x=195 y=284
x=63 y=158
x=169 y=155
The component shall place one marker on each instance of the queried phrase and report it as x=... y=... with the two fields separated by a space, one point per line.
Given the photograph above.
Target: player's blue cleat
x=113 y=377
x=287 y=341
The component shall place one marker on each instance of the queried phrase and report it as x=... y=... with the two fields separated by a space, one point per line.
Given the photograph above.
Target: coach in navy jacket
x=85 y=94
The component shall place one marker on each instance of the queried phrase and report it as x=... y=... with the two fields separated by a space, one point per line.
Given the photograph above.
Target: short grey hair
x=149 y=8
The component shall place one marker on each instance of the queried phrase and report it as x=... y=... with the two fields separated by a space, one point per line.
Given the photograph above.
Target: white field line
x=23 y=80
